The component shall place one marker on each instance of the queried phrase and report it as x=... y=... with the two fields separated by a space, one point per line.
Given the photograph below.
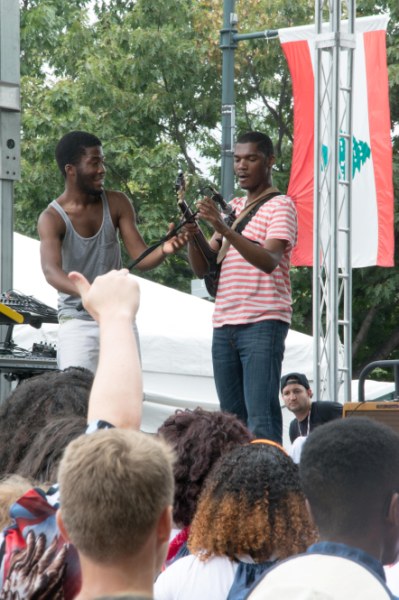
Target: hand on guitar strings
x=208 y=211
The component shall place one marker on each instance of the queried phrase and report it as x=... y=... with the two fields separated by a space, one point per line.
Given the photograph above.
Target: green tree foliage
x=376 y=290
x=136 y=77
x=145 y=76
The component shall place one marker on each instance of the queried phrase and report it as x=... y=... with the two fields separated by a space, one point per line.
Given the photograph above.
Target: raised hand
x=114 y=292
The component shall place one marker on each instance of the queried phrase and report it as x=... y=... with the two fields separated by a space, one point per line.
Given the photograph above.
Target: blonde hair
x=11 y=489
x=114 y=485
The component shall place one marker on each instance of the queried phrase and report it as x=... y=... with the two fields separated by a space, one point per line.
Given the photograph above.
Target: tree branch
x=276 y=114
x=363 y=330
x=391 y=344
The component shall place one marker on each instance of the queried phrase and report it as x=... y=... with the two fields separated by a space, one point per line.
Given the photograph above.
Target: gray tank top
x=91 y=256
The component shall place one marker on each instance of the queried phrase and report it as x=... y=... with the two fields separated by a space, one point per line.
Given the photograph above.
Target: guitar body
x=211 y=279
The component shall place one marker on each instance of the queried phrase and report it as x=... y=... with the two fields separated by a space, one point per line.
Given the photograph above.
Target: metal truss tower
x=332 y=270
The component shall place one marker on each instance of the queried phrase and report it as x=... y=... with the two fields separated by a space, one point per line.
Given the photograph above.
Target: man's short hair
x=294 y=378
x=72 y=146
x=349 y=470
x=114 y=485
x=264 y=143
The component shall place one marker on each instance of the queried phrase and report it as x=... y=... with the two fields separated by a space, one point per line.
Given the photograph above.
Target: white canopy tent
x=175 y=336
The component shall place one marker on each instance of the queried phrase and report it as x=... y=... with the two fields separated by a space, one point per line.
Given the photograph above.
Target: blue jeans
x=247 y=368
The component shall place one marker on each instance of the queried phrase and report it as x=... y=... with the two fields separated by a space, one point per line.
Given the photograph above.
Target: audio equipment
x=383 y=412
x=17 y=363
x=16 y=308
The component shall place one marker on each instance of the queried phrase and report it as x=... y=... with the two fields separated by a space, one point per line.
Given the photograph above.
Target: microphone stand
x=150 y=249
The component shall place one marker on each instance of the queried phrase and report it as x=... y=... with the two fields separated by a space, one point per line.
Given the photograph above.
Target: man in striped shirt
x=253 y=301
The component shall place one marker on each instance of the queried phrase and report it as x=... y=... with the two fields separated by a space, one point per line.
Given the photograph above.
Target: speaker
x=383 y=412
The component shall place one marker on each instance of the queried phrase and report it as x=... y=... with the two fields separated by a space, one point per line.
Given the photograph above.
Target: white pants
x=79 y=344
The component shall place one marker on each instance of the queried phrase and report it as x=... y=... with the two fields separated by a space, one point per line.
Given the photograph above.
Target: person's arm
x=133 y=240
x=117 y=392
x=50 y=231
x=266 y=257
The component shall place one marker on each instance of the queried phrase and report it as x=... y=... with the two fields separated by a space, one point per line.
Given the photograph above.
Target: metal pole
x=317 y=285
x=229 y=39
x=333 y=340
x=228 y=46
x=9 y=146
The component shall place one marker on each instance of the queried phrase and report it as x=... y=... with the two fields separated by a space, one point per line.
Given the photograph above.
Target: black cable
x=153 y=247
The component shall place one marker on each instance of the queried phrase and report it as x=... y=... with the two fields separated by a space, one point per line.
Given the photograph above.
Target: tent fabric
x=175 y=337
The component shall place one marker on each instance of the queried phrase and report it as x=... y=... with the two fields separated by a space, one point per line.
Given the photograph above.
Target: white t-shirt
x=194 y=579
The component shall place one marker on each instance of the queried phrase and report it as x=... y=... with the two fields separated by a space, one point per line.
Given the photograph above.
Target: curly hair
x=198 y=437
x=33 y=403
x=252 y=504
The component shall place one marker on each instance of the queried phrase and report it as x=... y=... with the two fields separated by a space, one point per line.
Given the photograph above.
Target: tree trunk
x=363 y=331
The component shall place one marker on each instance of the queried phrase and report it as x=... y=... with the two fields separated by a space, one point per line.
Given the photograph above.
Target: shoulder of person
x=50 y=219
x=282 y=201
x=279 y=207
x=119 y=204
x=328 y=406
x=173 y=576
x=328 y=403
x=116 y=197
x=309 y=576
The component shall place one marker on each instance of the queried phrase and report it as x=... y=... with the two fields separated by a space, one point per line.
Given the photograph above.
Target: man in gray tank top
x=79 y=232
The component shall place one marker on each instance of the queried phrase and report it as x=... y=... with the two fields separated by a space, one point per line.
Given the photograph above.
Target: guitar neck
x=199 y=238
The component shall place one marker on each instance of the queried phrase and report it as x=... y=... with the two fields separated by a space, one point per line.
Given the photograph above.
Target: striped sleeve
x=281 y=220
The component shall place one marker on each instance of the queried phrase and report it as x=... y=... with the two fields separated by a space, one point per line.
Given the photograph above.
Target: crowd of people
x=212 y=506
x=203 y=509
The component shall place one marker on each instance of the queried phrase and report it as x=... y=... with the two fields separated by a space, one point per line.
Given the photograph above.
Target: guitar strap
x=245 y=216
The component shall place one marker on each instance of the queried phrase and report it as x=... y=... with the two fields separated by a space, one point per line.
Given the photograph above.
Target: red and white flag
x=372 y=230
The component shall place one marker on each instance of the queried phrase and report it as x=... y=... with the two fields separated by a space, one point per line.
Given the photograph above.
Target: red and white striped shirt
x=245 y=293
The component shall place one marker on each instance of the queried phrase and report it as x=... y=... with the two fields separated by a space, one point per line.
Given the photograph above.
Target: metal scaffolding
x=332 y=266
